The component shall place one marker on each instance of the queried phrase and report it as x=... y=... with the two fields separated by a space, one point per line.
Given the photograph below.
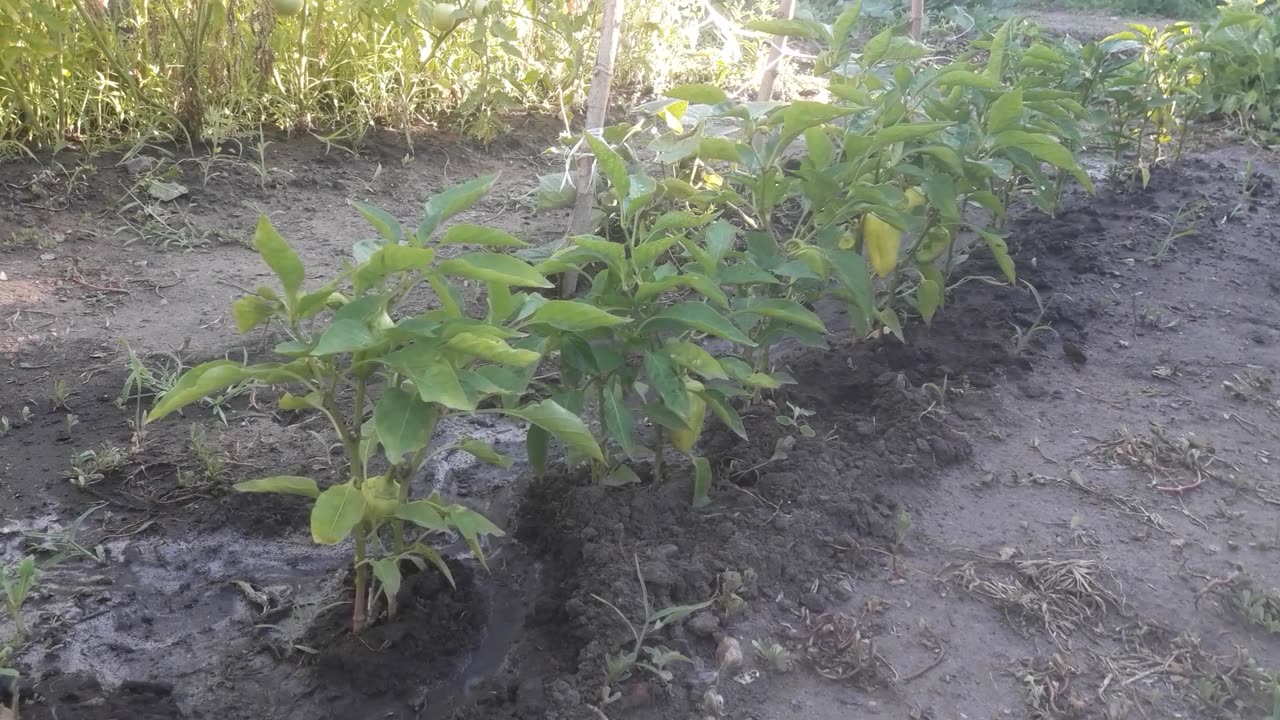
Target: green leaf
x=282 y=484
x=1046 y=148
x=821 y=149
x=494 y=267
x=424 y=514
x=611 y=165
x=535 y=445
x=965 y=78
x=280 y=258
x=999 y=45
x=195 y=384
x=804 y=114
x=471 y=525
x=701 y=317
x=561 y=424
x=1005 y=113
x=701 y=482
x=698 y=94
x=843 y=25
x=433 y=375
x=404 y=423
x=620 y=476
x=723 y=410
x=491 y=349
x=350 y=330
x=890 y=319
x=928 y=295
x=807 y=29
x=390 y=259
x=445 y=205
x=484 y=452
x=251 y=311
x=788 y=311
x=851 y=270
x=467 y=234
x=387 y=570
x=692 y=356
x=384 y=222
x=618 y=421
x=1000 y=250
x=647 y=291
x=573 y=316
x=336 y=513
x=662 y=374
x=433 y=557
x=904 y=131
x=877 y=47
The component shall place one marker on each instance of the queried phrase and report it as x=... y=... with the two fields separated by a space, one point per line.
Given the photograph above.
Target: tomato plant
x=384 y=378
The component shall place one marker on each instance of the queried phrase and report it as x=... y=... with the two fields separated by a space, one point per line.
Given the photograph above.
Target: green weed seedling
x=16 y=582
x=653 y=659
x=383 y=378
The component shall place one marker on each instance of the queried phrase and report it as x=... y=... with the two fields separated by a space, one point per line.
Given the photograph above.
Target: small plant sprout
x=773 y=655
x=25 y=415
x=61 y=397
x=651 y=658
x=796 y=420
x=16 y=581
x=5 y=425
x=72 y=420
x=209 y=458
x=383 y=379
x=91 y=466
x=1022 y=337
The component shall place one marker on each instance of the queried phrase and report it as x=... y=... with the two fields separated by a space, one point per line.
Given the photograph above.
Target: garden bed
x=902 y=557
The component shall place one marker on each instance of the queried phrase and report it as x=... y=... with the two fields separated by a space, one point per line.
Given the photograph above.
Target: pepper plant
x=385 y=376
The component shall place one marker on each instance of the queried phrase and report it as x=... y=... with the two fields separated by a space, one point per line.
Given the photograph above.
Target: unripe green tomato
x=287 y=7
x=442 y=16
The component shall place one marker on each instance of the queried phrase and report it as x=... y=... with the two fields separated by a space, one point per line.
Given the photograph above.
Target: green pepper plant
x=384 y=377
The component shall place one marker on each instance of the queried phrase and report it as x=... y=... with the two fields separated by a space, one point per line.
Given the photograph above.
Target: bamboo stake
x=786 y=11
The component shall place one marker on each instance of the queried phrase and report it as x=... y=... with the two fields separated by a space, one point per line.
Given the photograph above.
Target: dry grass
x=1061 y=596
x=1163 y=457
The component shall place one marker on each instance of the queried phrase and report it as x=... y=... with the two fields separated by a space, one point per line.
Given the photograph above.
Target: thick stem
x=786 y=11
x=358 y=612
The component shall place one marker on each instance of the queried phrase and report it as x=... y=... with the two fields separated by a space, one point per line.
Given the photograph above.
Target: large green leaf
x=723 y=410
x=803 y=114
x=573 y=316
x=1000 y=251
x=281 y=484
x=903 y=132
x=661 y=373
x=611 y=165
x=281 y=258
x=795 y=27
x=618 y=420
x=350 y=329
x=404 y=422
x=336 y=513
x=387 y=570
x=445 y=205
x=699 y=94
x=928 y=296
x=391 y=259
x=562 y=425
x=1046 y=148
x=251 y=311
x=492 y=349
x=433 y=375
x=467 y=234
x=384 y=222
x=788 y=311
x=701 y=317
x=999 y=46
x=850 y=269
x=965 y=78
x=692 y=356
x=471 y=525
x=1005 y=113
x=424 y=514
x=494 y=267
x=844 y=23
x=484 y=452
x=195 y=384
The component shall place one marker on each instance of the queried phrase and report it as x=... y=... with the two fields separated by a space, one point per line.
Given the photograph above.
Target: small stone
x=704 y=624
x=666 y=551
x=729 y=654
x=657 y=574
x=814 y=602
x=139 y=164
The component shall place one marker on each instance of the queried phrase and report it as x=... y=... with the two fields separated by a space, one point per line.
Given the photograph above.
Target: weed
x=33 y=238
x=1059 y=595
x=652 y=658
x=65 y=543
x=1248 y=387
x=91 y=466
x=210 y=459
x=61 y=397
x=1175 y=230
x=774 y=656
x=16 y=581
x=1022 y=337
x=1160 y=455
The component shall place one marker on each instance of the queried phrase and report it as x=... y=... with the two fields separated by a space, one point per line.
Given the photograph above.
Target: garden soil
x=1074 y=526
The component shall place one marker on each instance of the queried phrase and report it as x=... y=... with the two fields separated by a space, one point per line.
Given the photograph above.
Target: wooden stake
x=597 y=106
x=786 y=11
x=917 y=19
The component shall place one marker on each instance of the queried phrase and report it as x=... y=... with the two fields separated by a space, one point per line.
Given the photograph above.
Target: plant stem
x=362 y=583
x=657 y=457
